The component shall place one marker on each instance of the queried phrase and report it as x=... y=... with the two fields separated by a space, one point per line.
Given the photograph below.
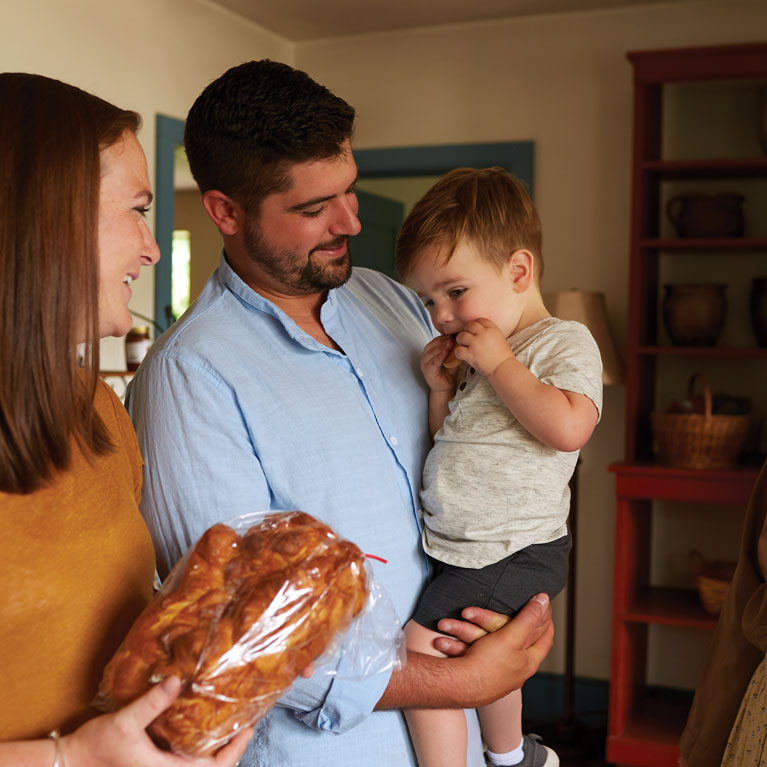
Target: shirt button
x=359 y=372
x=393 y=441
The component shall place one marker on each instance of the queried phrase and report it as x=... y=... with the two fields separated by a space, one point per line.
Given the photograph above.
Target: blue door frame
x=515 y=156
x=169 y=133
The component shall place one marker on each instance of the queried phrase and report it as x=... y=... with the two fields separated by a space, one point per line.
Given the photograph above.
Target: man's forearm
x=430 y=682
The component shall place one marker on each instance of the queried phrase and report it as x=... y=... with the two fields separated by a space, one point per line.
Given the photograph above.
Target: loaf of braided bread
x=247 y=614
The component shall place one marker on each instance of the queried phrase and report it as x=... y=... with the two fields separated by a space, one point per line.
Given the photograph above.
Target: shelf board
x=743 y=352
x=650 y=481
x=641 y=752
x=726 y=167
x=652 y=732
x=741 y=61
x=662 y=606
x=704 y=243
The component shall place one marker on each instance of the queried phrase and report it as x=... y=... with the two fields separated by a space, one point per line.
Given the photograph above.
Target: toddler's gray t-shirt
x=490 y=488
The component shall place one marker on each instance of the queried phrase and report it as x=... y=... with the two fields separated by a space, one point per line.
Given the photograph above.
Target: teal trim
x=515 y=156
x=169 y=133
x=375 y=245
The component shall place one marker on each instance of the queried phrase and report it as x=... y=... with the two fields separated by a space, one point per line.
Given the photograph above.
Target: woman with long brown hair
x=76 y=561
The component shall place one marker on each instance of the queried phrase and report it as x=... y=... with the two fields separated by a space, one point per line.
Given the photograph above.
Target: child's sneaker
x=536 y=754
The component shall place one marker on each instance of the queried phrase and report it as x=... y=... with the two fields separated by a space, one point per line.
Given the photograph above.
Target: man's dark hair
x=248 y=127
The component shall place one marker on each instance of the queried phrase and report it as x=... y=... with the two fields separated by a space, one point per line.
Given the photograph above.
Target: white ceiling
x=302 y=20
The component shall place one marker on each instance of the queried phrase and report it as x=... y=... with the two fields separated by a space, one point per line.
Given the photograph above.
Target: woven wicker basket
x=699 y=441
x=712 y=579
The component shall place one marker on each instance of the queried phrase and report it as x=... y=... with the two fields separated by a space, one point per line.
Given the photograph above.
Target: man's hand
x=500 y=658
x=479 y=622
x=511 y=654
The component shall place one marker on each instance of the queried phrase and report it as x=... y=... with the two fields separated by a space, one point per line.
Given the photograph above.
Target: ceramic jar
x=706 y=215
x=137 y=344
x=694 y=314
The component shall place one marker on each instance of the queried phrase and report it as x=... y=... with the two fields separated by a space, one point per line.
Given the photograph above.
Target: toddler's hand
x=483 y=345
x=434 y=354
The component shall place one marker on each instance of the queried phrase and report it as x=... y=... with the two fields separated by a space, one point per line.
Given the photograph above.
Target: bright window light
x=180 y=276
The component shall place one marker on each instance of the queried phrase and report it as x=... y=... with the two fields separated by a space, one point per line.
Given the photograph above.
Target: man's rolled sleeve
x=338 y=706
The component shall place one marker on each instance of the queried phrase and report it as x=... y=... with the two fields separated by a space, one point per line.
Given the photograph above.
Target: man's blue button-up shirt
x=238 y=410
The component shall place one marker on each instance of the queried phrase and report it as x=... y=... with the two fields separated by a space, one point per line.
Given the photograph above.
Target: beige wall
x=148 y=55
x=564 y=82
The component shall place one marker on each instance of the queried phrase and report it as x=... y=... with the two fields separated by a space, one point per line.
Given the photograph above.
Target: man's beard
x=293 y=269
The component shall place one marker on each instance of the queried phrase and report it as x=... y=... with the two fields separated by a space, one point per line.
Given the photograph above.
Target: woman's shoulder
x=107 y=403
x=114 y=415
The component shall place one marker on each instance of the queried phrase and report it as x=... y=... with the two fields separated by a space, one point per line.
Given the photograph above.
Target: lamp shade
x=589 y=308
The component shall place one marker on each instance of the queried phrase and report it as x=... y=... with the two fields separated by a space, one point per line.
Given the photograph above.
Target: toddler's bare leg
x=438 y=735
x=501 y=723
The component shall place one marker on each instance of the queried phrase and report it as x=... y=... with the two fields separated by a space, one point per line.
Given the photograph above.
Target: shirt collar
x=233 y=282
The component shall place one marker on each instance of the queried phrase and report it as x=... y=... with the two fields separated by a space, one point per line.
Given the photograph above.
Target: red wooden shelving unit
x=645 y=724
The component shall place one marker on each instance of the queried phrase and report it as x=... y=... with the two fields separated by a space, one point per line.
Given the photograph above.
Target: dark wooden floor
x=576 y=746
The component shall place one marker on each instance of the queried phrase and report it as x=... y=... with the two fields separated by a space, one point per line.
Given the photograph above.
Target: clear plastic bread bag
x=256 y=601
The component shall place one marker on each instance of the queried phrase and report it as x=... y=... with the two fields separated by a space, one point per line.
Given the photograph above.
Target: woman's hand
x=308 y=671
x=121 y=740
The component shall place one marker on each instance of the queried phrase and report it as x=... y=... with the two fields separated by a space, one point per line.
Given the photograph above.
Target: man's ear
x=520 y=266
x=224 y=212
